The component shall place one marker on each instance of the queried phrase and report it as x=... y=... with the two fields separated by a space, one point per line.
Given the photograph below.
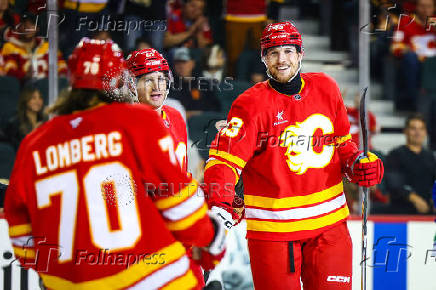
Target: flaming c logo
x=299 y=139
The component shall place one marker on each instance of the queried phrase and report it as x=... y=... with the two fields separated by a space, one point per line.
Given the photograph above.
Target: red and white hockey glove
x=210 y=256
x=222 y=216
x=364 y=171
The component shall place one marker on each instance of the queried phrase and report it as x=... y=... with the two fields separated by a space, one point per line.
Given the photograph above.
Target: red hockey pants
x=323 y=262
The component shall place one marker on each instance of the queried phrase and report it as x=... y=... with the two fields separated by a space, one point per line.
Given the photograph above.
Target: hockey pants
x=323 y=262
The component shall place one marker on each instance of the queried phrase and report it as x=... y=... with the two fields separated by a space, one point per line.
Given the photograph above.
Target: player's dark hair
x=78 y=100
x=415 y=116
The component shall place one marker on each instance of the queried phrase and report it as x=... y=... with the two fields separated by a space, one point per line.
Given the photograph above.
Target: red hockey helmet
x=282 y=33
x=145 y=61
x=91 y=61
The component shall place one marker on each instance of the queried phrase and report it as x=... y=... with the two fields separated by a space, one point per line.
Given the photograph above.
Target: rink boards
x=399 y=257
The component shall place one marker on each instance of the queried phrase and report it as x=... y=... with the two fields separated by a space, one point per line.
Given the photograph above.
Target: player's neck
x=289 y=88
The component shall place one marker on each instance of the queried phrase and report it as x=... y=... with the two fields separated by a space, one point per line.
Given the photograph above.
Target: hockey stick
x=363 y=126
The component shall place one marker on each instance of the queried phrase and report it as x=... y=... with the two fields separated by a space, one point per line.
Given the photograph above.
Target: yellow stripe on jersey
x=303 y=84
x=19 y=230
x=177 y=198
x=293 y=201
x=227 y=156
x=343 y=139
x=122 y=279
x=26 y=253
x=302 y=225
x=236 y=18
x=214 y=162
x=84 y=7
x=185 y=223
x=187 y=281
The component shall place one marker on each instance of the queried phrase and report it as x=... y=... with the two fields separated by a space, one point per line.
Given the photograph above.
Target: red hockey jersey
x=416 y=36
x=246 y=10
x=96 y=202
x=18 y=61
x=174 y=121
x=291 y=151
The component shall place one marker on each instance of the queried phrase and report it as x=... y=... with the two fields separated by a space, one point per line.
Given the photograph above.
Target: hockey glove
x=206 y=260
x=222 y=216
x=364 y=171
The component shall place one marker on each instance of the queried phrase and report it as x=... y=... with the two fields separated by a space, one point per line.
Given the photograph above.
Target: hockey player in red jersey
x=288 y=138
x=154 y=77
x=97 y=202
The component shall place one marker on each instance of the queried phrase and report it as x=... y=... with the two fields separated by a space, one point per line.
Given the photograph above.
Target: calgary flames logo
x=303 y=150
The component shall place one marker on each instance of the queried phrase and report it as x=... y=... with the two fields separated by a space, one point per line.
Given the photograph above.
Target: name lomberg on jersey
x=86 y=149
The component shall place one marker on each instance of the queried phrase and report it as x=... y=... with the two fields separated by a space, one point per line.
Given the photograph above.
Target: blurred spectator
x=249 y=67
x=142 y=43
x=195 y=94
x=103 y=35
x=82 y=19
x=274 y=10
x=29 y=116
x=413 y=41
x=411 y=171
x=245 y=20
x=354 y=118
x=188 y=26
x=8 y=20
x=215 y=64
x=147 y=19
x=30 y=6
x=382 y=28
x=25 y=55
x=257 y=77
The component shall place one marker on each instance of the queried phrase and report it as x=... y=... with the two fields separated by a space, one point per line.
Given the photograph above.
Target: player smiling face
x=152 y=89
x=283 y=62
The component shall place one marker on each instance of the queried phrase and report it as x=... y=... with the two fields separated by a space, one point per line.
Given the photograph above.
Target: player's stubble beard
x=285 y=75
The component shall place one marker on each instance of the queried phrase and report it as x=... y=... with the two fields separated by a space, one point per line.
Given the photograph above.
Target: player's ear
x=300 y=56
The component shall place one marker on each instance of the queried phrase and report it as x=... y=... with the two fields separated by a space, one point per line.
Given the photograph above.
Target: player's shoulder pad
x=323 y=81
x=320 y=78
x=252 y=99
x=129 y=115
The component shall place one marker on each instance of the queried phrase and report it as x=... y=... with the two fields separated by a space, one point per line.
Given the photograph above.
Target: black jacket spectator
x=407 y=172
x=411 y=171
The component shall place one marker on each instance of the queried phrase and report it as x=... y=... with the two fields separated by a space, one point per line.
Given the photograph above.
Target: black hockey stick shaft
x=363 y=126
